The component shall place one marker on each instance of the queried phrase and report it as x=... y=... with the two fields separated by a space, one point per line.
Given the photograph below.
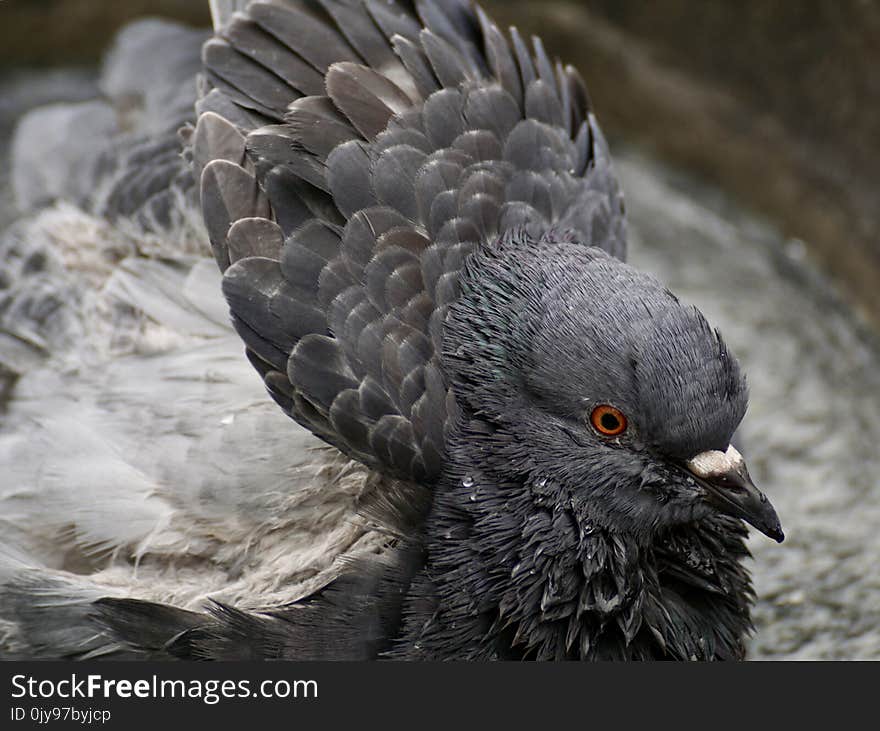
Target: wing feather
x=355 y=153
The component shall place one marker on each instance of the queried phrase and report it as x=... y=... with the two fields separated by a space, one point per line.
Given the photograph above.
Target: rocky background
x=776 y=102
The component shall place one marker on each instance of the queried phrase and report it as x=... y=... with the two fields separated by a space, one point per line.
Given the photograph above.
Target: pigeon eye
x=608 y=421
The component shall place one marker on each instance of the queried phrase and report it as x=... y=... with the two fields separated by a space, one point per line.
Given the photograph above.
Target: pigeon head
x=603 y=384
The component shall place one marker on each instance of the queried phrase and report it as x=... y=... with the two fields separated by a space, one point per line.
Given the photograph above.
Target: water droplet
x=468 y=481
x=542 y=482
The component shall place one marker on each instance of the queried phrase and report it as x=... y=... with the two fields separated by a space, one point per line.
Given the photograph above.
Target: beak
x=731 y=491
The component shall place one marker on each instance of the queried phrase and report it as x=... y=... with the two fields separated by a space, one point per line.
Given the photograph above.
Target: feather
x=500 y=59
x=444 y=207
x=307 y=252
x=223 y=105
x=361 y=233
x=482 y=210
x=417 y=66
x=527 y=71
x=254 y=108
x=479 y=144
x=278 y=146
x=580 y=98
x=571 y=117
x=482 y=182
x=285 y=190
x=395 y=136
x=454 y=22
x=348 y=174
x=252 y=41
x=367 y=98
x=493 y=109
x=372 y=45
x=404 y=237
x=532 y=188
x=215 y=139
x=303 y=33
x=432 y=180
x=335 y=279
x=318 y=367
x=394 y=174
x=228 y=194
x=350 y=423
x=345 y=312
x=391 y=440
x=318 y=126
x=518 y=215
x=380 y=270
x=583 y=151
x=263 y=87
x=538 y=147
x=458 y=230
x=254 y=237
x=393 y=19
x=542 y=61
x=373 y=400
x=448 y=65
x=543 y=105
x=261 y=298
x=403 y=286
x=443 y=117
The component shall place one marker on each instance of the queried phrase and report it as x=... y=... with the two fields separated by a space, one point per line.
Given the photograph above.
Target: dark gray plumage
x=449 y=305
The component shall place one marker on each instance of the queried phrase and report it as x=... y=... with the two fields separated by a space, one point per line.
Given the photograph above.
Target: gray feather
x=303 y=33
x=215 y=139
x=394 y=174
x=543 y=105
x=318 y=126
x=448 y=64
x=492 y=108
x=394 y=19
x=417 y=65
x=228 y=194
x=443 y=115
x=268 y=91
x=348 y=173
x=500 y=58
x=254 y=237
x=527 y=71
x=366 y=97
x=251 y=40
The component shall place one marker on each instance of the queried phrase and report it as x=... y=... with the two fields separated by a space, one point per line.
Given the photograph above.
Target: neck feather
x=516 y=568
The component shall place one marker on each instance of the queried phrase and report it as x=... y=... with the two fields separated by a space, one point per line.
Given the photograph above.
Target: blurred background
x=747 y=138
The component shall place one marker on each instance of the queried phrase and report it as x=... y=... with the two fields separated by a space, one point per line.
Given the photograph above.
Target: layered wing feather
x=352 y=154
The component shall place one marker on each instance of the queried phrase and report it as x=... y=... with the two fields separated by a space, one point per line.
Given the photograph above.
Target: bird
x=414 y=222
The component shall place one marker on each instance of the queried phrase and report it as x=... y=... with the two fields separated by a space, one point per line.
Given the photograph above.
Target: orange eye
x=608 y=421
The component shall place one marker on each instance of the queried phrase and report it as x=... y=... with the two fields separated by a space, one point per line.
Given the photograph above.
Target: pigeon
x=415 y=224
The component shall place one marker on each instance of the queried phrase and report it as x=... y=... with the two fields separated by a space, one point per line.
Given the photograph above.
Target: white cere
x=715 y=462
